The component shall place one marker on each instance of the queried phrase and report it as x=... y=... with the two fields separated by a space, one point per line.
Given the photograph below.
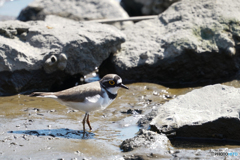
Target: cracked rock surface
x=209 y=112
x=147 y=144
x=48 y=51
x=192 y=42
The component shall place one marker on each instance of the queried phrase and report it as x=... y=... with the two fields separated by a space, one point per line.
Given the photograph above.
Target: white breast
x=106 y=100
x=90 y=103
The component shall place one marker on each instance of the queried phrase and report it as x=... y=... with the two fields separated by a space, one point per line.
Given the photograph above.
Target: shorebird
x=88 y=97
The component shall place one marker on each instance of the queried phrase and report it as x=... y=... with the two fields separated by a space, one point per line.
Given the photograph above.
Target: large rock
x=37 y=54
x=209 y=112
x=74 y=9
x=143 y=7
x=191 y=42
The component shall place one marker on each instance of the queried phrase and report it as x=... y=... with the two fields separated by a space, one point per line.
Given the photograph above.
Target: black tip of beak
x=123 y=86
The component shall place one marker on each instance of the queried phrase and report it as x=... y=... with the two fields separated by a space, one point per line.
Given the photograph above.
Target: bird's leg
x=88 y=122
x=83 y=122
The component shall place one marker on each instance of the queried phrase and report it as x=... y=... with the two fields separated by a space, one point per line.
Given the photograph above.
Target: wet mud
x=38 y=128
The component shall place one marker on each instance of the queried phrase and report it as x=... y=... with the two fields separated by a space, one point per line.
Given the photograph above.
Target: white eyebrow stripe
x=105 y=81
x=119 y=81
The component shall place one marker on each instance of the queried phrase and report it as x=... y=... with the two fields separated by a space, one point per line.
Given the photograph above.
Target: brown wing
x=78 y=93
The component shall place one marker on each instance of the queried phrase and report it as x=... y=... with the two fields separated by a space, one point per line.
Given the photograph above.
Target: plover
x=88 y=97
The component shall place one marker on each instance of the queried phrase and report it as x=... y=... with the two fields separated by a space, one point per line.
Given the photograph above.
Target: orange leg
x=83 y=122
x=88 y=122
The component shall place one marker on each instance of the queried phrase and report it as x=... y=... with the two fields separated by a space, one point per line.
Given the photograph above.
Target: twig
x=139 y=18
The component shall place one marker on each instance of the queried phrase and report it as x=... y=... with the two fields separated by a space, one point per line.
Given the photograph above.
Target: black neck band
x=110 y=95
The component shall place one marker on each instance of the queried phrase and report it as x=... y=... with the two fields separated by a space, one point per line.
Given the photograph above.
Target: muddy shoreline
x=42 y=128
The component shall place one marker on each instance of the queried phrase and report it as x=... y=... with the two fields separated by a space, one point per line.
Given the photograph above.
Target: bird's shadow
x=62 y=133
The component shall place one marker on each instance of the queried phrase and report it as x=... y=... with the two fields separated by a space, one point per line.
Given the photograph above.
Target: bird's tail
x=43 y=94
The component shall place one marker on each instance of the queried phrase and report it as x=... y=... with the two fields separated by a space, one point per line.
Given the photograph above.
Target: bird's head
x=112 y=82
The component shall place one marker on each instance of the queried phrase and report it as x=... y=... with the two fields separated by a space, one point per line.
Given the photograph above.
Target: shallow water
x=42 y=128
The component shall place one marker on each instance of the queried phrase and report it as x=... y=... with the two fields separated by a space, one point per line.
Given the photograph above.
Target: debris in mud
x=72 y=110
x=53 y=110
x=169 y=96
x=132 y=111
x=13 y=143
x=40 y=114
x=36 y=109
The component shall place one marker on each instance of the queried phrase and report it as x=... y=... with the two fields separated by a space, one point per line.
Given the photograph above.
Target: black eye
x=111 y=82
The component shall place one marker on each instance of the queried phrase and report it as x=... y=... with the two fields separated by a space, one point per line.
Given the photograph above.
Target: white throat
x=113 y=90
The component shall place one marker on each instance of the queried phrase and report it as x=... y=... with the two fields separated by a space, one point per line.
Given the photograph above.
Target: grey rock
x=75 y=10
x=146 y=145
x=36 y=51
x=145 y=121
x=143 y=7
x=201 y=113
x=192 y=42
x=147 y=142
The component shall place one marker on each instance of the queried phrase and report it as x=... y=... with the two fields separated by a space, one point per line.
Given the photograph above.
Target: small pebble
x=155 y=93
x=168 y=96
x=77 y=152
x=36 y=109
x=25 y=110
x=13 y=143
x=171 y=152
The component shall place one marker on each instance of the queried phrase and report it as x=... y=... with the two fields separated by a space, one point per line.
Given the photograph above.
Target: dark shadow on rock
x=133 y=8
x=187 y=70
x=220 y=132
x=181 y=142
x=62 y=133
x=33 y=14
x=25 y=82
x=221 y=128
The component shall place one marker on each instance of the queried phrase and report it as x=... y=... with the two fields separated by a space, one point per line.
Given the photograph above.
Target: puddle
x=128 y=132
x=61 y=133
